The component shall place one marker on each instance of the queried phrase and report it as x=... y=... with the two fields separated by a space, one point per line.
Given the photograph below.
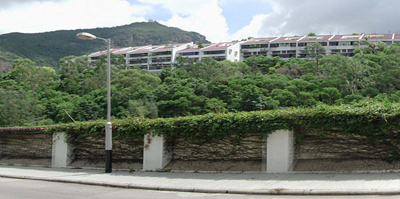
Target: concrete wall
x=312 y=151
x=280 y=150
x=156 y=152
x=233 y=52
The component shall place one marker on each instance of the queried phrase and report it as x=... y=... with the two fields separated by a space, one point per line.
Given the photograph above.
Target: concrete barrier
x=59 y=150
x=280 y=151
x=155 y=152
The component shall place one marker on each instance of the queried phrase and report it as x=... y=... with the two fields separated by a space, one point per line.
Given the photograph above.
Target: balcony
x=214 y=52
x=138 y=61
x=189 y=53
x=219 y=58
x=138 y=55
x=158 y=60
x=254 y=46
x=158 y=66
x=161 y=53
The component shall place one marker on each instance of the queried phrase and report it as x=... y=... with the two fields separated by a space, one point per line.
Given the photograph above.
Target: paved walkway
x=244 y=183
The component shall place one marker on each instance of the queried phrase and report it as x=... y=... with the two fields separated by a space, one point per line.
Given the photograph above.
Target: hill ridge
x=48 y=47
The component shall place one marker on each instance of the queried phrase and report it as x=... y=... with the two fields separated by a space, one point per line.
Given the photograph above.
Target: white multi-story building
x=287 y=47
x=156 y=57
x=219 y=51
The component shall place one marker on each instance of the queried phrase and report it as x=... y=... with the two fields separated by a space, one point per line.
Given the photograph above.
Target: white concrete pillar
x=280 y=151
x=60 y=150
x=1 y=149
x=155 y=152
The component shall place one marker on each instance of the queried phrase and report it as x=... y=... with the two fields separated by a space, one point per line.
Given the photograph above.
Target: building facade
x=156 y=57
x=287 y=47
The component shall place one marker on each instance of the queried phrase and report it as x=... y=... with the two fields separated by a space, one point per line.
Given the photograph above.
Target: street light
x=88 y=36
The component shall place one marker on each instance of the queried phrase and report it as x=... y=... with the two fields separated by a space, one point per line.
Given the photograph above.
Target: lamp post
x=108 y=142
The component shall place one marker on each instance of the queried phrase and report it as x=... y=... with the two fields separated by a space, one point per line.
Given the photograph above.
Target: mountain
x=47 y=48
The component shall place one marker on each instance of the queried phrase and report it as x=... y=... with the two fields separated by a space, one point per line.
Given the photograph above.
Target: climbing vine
x=376 y=121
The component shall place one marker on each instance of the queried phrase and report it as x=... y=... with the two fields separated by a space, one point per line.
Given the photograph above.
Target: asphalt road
x=31 y=189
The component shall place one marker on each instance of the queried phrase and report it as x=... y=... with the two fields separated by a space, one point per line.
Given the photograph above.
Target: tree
x=31 y=78
x=206 y=69
x=133 y=93
x=200 y=45
x=354 y=72
x=181 y=97
x=315 y=51
x=263 y=64
x=74 y=72
x=253 y=98
x=19 y=108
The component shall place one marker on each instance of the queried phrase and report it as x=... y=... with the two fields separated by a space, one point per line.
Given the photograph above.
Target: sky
x=218 y=20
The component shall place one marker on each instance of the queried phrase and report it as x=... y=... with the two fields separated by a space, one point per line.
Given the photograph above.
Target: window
x=138 y=61
x=334 y=43
x=214 y=52
x=262 y=53
x=189 y=53
x=138 y=55
x=335 y=50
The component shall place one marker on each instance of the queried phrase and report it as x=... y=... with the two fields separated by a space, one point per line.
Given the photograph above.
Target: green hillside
x=47 y=48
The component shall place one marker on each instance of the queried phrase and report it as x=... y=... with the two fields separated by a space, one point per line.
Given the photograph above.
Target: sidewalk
x=243 y=183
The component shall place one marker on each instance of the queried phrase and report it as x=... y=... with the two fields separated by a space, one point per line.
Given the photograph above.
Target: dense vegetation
x=32 y=95
x=46 y=48
x=378 y=122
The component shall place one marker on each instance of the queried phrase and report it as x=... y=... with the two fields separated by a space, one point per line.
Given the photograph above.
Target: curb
x=227 y=191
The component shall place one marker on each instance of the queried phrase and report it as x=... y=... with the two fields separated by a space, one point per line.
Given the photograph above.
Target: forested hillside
x=47 y=48
x=34 y=95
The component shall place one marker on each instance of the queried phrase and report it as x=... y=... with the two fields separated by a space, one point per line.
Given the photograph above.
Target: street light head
x=85 y=36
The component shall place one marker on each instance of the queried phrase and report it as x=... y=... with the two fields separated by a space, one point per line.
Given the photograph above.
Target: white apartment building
x=219 y=51
x=156 y=57
x=287 y=47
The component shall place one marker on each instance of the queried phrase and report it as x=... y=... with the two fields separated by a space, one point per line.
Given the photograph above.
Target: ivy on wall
x=376 y=121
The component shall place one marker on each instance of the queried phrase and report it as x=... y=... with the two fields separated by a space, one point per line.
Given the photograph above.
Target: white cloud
x=291 y=17
x=202 y=16
x=299 y=17
x=251 y=30
x=40 y=16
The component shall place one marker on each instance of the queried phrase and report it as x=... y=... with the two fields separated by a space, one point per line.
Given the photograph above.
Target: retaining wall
x=311 y=151
x=25 y=146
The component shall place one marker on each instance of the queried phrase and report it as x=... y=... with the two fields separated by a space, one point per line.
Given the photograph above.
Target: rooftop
x=317 y=38
x=220 y=46
x=259 y=40
x=114 y=51
x=378 y=36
